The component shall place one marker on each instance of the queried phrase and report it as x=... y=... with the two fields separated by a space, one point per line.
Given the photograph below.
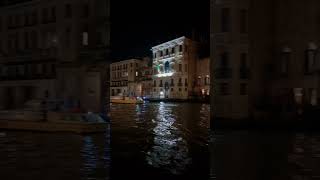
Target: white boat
x=126 y=100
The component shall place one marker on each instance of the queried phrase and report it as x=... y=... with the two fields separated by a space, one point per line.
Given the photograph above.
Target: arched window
x=167 y=67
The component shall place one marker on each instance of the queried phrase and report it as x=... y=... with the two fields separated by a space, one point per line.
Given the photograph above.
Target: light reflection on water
x=166 y=140
x=169 y=149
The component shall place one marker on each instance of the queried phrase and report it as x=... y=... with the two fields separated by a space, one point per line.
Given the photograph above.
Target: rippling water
x=149 y=141
x=265 y=155
x=160 y=141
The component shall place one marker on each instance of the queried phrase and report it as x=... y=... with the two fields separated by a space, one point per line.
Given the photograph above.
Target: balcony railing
x=223 y=73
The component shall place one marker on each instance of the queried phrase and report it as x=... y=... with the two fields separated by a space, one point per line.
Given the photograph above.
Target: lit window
x=137 y=73
x=85 y=38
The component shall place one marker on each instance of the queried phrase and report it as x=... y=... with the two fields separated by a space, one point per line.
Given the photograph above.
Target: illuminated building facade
x=54 y=50
x=264 y=56
x=124 y=77
x=174 y=69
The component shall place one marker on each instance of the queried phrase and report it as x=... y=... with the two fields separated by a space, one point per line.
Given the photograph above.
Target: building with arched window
x=172 y=61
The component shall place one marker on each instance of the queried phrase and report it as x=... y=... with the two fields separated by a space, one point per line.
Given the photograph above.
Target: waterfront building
x=125 y=78
x=203 y=78
x=54 y=50
x=264 y=57
x=174 y=69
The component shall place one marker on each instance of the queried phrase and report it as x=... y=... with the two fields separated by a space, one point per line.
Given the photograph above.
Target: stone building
x=124 y=77
x=203 y=78
x=52 y=49
x=174 y=69
x=264 y=56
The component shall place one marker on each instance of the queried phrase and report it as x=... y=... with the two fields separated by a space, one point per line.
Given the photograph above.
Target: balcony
x=223 y=73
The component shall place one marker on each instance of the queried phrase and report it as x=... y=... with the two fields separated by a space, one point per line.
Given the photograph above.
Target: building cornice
x=169 y=44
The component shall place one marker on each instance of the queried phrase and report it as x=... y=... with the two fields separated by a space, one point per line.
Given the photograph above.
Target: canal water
x=160 y=141
x=148 y=141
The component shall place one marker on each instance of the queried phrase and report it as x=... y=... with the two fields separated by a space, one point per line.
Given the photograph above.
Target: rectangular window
x=243 y=89
x=44 y=15
x=180 y=48
x=243 y=21
x=34 y=39
x=68 y=37
x=1 y=24
x=53 y=14
x=180 y=67
x=243 y=60
x=26 y=40
x=309 y=60
x=224 y=61
x=225 y=20
x=86 y=10
x=85 y=36
x=284 y=63
x=68 y=11
x=224 y=89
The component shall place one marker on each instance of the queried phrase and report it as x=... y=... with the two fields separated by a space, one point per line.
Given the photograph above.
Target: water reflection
x=160 y=141
x=170 y=150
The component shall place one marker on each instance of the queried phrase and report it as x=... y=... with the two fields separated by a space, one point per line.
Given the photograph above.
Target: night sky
x=138 y=25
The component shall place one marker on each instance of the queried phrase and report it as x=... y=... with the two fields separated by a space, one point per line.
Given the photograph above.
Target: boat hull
x=62 y=126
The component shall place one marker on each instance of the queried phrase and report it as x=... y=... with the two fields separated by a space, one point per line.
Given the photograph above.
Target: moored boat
x=126 y=100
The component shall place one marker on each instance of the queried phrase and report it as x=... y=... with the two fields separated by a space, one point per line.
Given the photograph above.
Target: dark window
x=224 y=89
x=243 y=21
x=68 y=11
x=167 y=67
x=180 y=67
x=68 y=37
x=160 y=85
x=180 y=48
x=309 y=60
x=34 y=39
x=53 y=14
x=243 y=60
x=224 y=60
x=172 y=82
x=155 y=55
x=186 y=82
x=44 y=15
x=86 y=10
x=167 y=52
x=284 y=66
x=173 y=50
x=26 y=40
x=243 y=89
x=154 y=83
x=34 y=17
x=1 y=24
x=130 y=64
x=225 y=19
x=161 y=53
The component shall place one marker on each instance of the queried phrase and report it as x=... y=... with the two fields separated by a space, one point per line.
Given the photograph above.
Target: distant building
x=174 y=69
x=54 y=50
x=264 y=57
x=124 y=75
x=203 y=78
x=146 y=78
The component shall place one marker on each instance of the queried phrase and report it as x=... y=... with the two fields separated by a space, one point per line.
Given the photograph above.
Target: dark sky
x=138 y=25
